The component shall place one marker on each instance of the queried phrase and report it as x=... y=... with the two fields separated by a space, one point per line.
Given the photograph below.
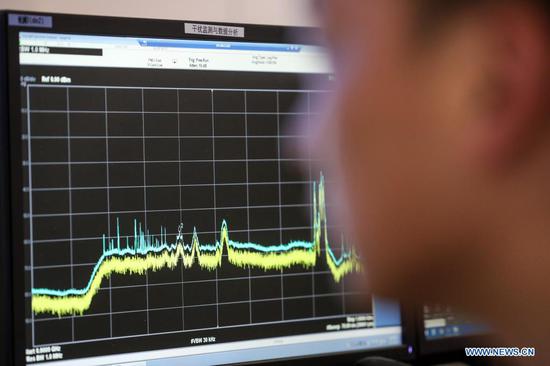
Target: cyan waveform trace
x=149 y=252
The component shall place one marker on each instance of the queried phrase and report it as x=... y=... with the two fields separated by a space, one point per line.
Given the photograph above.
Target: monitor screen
x=163 y=220
x=442 y=322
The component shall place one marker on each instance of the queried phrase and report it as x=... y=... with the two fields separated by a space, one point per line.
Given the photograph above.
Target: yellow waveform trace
x=150 y=255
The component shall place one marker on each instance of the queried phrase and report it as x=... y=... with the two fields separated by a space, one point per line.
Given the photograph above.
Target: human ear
x=513 y=100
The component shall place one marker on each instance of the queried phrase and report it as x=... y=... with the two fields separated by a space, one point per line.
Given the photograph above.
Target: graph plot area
x=163 y=210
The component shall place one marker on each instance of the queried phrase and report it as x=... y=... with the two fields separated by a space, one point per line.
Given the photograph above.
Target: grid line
x=113 y=166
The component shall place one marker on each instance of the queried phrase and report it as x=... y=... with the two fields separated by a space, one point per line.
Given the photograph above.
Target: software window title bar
x=102 y=51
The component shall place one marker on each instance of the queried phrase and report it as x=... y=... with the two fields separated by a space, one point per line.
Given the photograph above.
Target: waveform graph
x=174 y=211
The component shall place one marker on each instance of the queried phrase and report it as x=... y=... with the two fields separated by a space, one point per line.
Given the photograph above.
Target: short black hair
x=436 y=12
x=448 y=7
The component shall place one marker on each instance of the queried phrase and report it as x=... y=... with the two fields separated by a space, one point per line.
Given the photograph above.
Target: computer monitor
x=444 y=329
x=155 y=215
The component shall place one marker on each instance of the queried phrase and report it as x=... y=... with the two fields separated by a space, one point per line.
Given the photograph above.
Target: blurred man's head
x=439 y=129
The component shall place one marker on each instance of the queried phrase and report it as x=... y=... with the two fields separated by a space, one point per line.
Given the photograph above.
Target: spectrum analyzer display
x=165 y=210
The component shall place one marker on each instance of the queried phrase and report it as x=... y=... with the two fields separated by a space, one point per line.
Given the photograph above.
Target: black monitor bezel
x=6 y=345
x=11 y=183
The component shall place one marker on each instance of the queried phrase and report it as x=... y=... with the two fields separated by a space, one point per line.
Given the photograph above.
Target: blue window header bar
x=165 y=43
x=238 y=46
